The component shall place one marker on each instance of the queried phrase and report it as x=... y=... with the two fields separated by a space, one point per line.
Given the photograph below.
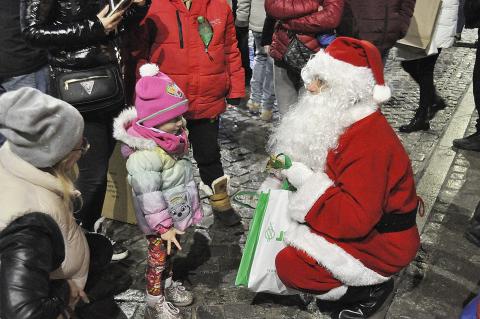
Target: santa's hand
x=297 y=174
x=269 y=183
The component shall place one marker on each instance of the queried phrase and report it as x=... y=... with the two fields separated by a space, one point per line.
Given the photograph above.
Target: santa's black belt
x=392 y=222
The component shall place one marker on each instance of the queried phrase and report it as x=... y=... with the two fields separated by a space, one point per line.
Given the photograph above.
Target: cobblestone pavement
x=211 y=254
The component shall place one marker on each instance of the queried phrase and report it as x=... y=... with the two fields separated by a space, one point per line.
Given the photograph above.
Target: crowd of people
x=156 y=76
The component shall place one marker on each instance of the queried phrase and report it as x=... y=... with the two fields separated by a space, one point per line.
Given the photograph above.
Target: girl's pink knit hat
x=158 y=99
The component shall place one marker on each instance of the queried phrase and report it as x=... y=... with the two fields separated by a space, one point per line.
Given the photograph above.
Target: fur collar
x=120 y=126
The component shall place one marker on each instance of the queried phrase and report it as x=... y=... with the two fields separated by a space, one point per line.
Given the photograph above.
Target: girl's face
x=172 y=127
x=315 y=86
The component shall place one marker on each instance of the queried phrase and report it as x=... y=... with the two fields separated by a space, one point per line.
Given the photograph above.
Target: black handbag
x=99 y=88
x=297 y=54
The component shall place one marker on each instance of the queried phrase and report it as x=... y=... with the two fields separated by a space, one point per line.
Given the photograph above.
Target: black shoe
x=362 y=302
x=473 y=232
x=438 y=105
x=419 y=122
x=119 y=251
x=228 y=218
x=469 y=143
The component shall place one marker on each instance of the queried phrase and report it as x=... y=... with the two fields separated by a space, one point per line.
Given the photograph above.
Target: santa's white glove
x=297 y=174
x=269 y=183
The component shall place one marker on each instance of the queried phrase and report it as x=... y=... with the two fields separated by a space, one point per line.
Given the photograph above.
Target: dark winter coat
x=302 y=18
x=71 y=31
x=31 y=247
x=472 y=14
x=381 y=22
x=16 y=56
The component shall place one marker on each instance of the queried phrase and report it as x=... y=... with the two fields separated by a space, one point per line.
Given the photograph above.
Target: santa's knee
x=284 y=262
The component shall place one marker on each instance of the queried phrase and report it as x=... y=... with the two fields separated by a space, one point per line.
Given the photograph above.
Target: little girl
x=165 y=196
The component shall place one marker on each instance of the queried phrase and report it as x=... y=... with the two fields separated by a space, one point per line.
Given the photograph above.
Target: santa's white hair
x=313 y=125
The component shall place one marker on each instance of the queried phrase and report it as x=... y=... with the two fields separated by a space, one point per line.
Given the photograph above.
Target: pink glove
x=297 y=174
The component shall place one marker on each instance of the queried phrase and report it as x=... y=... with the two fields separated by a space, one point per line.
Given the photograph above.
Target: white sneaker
x=178 y=295
x=162 y=310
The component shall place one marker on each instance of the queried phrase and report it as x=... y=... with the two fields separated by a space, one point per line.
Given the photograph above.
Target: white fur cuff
x=334 y=294
x=306 y=196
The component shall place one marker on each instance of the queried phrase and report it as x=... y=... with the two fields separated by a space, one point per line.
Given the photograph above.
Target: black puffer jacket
x=71 y=31
x=472 y=14
x=31 y=247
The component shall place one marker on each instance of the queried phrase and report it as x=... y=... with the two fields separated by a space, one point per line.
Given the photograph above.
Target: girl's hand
x=170 y=236
x=76 y=294
x=110 y=23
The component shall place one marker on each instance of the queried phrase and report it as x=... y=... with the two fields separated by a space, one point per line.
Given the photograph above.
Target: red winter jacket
x=169 y=37
x=302 y=18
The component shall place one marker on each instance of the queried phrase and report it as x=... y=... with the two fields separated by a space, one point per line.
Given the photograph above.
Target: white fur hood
x=120 y=126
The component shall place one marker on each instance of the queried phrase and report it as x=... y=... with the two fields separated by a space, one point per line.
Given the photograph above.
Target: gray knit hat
x=40 y=129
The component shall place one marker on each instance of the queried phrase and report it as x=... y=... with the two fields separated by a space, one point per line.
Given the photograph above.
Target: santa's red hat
x=362 y=54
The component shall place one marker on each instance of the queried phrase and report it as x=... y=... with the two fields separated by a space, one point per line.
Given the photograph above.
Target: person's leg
x=93 y=168
x=203 y=135
x=258 y=74
x=268 y=98
x=156 y=265
x=461 y=20
x=421 y=71
x=301 y=272
x=472 y=142
x=286 y=90
x=37 y=80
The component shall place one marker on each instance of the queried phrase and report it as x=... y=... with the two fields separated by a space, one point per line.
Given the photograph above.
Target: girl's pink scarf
x=170 y=143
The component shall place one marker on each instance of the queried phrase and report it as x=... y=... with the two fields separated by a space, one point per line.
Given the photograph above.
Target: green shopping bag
x=251 y=243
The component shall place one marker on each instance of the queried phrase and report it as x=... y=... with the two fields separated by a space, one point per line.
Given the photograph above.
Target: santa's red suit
x=353 y=214
x=335 y=242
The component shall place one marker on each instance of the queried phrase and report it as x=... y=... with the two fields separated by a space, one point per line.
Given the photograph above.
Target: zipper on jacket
x=66 y=84
x=180 y=31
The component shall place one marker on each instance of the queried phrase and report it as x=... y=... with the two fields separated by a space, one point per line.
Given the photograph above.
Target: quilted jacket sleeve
x=233 y=60
x=243 y=13
x=326 y=19
x=289 y=9
x=145 y=177
x=27 y=256
x=39 y=29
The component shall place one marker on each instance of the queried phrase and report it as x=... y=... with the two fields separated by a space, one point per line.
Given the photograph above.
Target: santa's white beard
x=312 y=127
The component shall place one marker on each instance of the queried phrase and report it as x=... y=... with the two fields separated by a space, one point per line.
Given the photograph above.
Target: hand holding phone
x=120 y=6
x=109 y=22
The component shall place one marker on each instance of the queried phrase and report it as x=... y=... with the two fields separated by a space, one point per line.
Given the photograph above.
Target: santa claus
x=353 y=214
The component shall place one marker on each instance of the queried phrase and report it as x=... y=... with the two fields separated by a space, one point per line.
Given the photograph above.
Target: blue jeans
x=261 y=85
x=37 y=80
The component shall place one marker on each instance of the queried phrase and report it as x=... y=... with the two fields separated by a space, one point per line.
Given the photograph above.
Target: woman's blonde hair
x=66 y=176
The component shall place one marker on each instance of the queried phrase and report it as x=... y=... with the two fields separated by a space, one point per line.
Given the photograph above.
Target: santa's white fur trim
x=343 y=266
x=381 y=93
x=123 y=121
x=306 y=196
x=334 y=294
x=149 y=69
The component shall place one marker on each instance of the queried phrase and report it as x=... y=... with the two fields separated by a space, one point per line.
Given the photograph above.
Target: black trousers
x=93 y=167
x=203 y=135
x=421 y=70
x=476 y=82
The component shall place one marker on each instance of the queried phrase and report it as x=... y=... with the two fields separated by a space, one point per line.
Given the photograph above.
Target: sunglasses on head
x=84 y=147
